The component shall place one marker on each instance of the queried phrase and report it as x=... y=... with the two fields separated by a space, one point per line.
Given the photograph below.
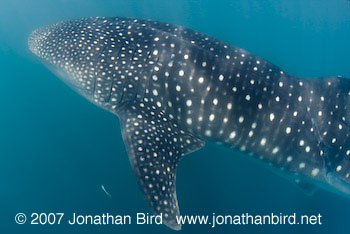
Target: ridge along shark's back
x=173 y=88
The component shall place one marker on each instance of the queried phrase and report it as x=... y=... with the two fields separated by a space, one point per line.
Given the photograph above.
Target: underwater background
x=57 y=149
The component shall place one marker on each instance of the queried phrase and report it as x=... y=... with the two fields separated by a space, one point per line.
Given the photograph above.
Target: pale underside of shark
x=174 y=88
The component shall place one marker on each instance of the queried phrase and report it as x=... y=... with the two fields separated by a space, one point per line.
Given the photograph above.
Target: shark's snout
x=37 y=38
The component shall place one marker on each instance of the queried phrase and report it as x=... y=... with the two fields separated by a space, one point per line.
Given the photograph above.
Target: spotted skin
x=174 y=88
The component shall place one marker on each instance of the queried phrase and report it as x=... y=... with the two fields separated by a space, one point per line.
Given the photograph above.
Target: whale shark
x=173 y=89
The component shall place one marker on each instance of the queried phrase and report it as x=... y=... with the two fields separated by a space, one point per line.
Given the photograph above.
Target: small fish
x=104 y=190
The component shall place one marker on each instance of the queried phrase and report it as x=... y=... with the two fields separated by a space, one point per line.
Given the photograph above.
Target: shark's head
x=79 y=52
x=62 y=49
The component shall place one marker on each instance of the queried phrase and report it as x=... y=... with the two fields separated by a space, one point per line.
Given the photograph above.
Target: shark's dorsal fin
x=155 y=144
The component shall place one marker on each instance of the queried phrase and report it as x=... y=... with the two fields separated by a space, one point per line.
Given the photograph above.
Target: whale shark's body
x=174 y=88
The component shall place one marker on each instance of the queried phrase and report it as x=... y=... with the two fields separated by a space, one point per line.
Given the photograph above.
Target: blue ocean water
x=57 y=149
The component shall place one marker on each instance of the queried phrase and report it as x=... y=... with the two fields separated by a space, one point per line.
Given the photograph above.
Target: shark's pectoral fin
x=155 y=145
